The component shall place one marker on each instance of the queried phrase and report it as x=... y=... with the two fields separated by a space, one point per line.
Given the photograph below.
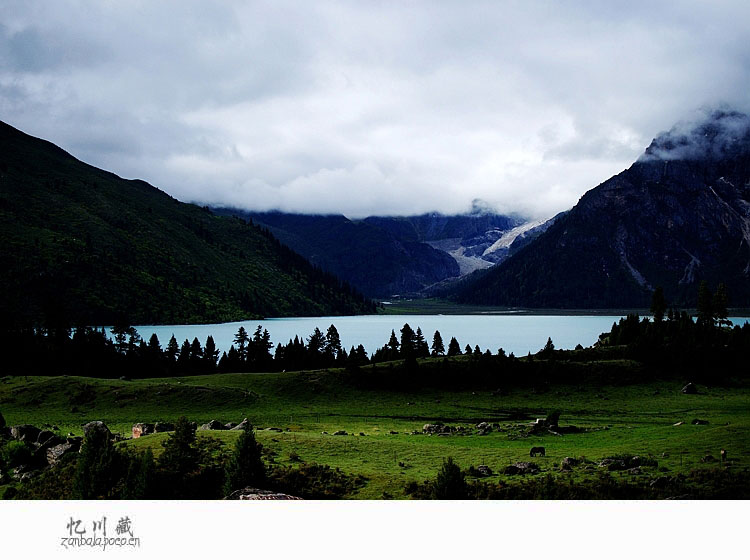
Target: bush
x=16 y=453
x=450 y=483
x=314 y=482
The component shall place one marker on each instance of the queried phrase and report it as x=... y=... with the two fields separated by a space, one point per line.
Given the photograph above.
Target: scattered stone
x=568 y=463
x=340 y=433
x=25 y=432
x=393 y=433
x=689 y=389
x=680 y=423
x=432 y=428
x=484 y=470
x=212 y=425
x=361 y=433
x=324 y=433
x=44 y=436
x=142 y=429
x=258 y=494
x=613 y=464
x=54 y=454
x=272 y=429
x=708 y=459
x=634 y=471
x=664 y=455
x=242 y=425
x=97 y=426
x=537 y=451
x=163 y=427
x=699 y=422
x=230 y=425
x=521 y=468
x=660 y=482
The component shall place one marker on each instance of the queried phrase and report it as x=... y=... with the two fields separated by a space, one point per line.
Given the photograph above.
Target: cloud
x=367 y=108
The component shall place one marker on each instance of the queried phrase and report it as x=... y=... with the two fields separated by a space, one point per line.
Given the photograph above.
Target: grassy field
x=630 y=419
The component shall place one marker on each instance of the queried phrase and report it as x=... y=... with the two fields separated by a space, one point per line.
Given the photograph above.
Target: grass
x=630 y=419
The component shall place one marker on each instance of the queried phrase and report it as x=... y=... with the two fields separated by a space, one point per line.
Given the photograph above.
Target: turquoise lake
x=519 y=334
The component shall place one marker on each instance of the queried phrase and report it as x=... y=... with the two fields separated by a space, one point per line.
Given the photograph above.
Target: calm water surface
x=519 y=334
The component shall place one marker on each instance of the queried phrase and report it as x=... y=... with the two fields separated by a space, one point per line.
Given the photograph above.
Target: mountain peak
x=715 y=135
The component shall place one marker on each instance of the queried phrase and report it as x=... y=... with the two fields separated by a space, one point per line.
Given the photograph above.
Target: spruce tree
x=454 y=348
x=719 y=306
x=658 y=305
x=333 y=341
x=245 y=466
x=450 y=483
x=437 y=344
x=705 y=310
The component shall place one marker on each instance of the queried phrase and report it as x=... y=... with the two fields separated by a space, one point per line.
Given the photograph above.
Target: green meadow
x=384 y=441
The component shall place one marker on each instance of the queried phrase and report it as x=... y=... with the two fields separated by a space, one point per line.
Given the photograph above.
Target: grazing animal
x=536 y=451
x=723 y=456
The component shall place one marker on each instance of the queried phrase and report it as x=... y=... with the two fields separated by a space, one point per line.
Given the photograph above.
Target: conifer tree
x=245 y=466
x=454 y=348
x=437 y=344
x=658 y=305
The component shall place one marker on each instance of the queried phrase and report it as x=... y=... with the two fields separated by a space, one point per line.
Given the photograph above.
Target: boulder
x=708 y=459
x=142 y=429
x=274 y=430
x=433 y=428
x=242 y=425
x=680 y=423
x=689 y=389
x=54 y=454
x=568 y=463
x=96 y=427
x=522 y=467
x=634 y=471
x=393 y=433
x=163 y=427
x=613 y=464
x=340 y=433
x=212 y=425
x=44 y=436
x=25 y=432
x=483 y=426
x=230 y=425
x=258 y=494
x=484 y=470
x=699 y=422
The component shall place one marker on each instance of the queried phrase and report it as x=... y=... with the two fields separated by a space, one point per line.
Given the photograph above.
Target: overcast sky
x=367 y=107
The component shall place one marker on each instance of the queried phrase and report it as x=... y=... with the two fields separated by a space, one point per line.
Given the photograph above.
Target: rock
x=230 y=425
x=634 y=471
x=432 y=428
x=124 y=378
x=361 y=433
x=689 y=389
x=699 y=422
x=274 y=430
x=44 y=436
x=54 y=454
x=484 y=470
x=75 y=441
x=483 y=426
x=212 y=425
x=568 y=463
x=521 y=468
x=258 y=494
x=393 y=433
x=242 y=425
x=708 y=459
x=340 y=433
x=48 y=441
x=142 y=429
x=163 y=427
x=680 y=423
x=613 y=464
x=661 y=482
x=25 y=432
x=96 y=427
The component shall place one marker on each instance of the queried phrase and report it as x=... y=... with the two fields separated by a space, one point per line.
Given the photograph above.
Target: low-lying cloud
x=367 y=108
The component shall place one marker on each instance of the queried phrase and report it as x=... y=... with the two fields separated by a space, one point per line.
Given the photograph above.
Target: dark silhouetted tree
x=658 y=305
x=437 y=344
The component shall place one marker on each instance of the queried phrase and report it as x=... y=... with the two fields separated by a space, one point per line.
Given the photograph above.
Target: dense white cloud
x=364 y=108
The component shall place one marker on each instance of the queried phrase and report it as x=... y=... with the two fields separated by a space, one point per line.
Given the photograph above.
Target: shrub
x=245 y=466
x=450 y=483
x=16 y=453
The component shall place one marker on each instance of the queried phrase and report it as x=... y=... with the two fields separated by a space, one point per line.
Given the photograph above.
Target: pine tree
x=172 y=349
x=245 y=466
x=241 y=339
x=437 y=344
x=393 y=343
x=333 y=342
x=408 y=340
x=658 y=305
x=705 y=311
x=423 y=350
x=454 y=348
x=210 y=354
x=719 y=306
x=180 y=455
x=96 y=468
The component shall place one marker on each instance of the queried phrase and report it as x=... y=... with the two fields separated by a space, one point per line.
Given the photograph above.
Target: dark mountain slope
x=82 y=245
x=374 y=260
x=679 y=215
